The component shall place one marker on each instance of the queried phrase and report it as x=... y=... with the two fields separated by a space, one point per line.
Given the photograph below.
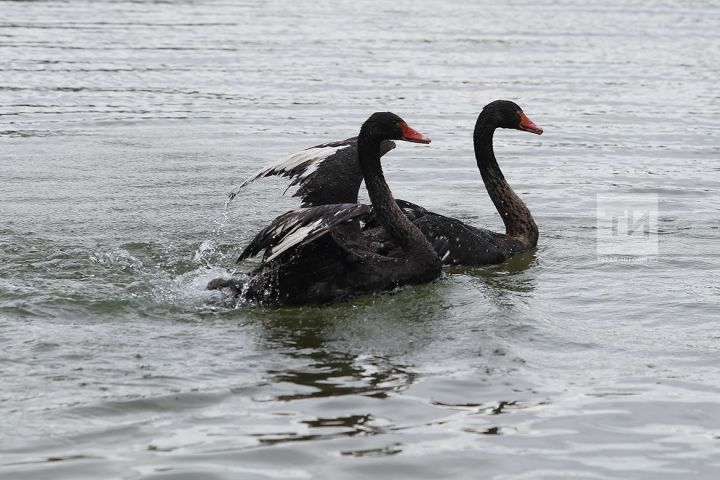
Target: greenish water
x=123 y=125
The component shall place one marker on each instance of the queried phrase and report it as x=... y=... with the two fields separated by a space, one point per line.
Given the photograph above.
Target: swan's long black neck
x=407 y=235
x=519 y=223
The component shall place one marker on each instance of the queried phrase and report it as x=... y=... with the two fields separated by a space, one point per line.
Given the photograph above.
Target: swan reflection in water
x=350 y=356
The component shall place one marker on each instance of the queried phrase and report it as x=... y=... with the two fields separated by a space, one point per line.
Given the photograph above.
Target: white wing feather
x=301 y=164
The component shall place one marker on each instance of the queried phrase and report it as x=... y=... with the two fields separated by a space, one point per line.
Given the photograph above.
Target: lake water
x=123 y=126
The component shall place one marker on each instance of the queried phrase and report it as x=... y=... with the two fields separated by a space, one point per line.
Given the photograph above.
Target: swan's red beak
x=411 y=135
x=528 y=125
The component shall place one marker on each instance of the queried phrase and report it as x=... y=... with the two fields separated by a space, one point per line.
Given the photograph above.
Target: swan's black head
x=507 y=114
x=388 y=126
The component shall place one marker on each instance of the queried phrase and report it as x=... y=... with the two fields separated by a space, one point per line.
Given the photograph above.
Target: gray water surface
x=123 y=126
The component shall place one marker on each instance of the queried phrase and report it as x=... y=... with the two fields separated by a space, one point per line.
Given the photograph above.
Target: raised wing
x=325 y=174
x=298 y=227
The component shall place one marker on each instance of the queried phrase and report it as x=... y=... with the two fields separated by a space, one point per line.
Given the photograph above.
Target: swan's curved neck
x=407 y=235
x=519 y=223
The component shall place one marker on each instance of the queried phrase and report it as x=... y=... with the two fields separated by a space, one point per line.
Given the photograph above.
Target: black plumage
x=321 y=254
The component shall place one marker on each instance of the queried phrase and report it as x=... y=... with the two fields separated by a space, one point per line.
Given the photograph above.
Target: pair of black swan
x=321 y=253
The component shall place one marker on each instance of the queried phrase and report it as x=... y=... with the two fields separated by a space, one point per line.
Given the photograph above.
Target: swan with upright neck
x=320 y=254
x=330 y=173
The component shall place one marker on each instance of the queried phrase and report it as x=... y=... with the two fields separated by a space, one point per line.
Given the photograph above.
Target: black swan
x=319 y=254
x=329 y=173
